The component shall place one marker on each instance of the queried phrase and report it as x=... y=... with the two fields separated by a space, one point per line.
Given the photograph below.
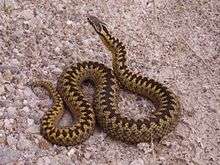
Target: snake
x=104 y=110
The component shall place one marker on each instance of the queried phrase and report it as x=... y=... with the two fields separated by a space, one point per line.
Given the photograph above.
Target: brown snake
x=105 y=110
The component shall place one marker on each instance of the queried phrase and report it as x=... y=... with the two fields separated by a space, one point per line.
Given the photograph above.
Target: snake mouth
x=89 y=19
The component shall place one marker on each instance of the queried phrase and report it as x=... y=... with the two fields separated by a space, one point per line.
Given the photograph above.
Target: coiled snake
x=105 y=110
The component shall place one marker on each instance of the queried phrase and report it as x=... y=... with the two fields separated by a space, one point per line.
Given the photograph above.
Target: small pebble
x=7 y=75
x=2 y=136
x=69 y=22
x=87 y=155
x=12 y=111
x=28 y=93
x=14 y=62
x=27 y=14
x=71 y=152
x=30 y=122
x=34 y=129
x=57 y=49
x=11 y=140
x=23 y=143
x=2 y=90
x=8 y=123
x=42 y=143
x=57 y=70
x=44 y=160
x=145 y=147
x=25 y=109
x=2 y=110
x=137 y=162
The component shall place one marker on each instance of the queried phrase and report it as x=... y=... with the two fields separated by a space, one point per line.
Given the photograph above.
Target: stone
x=2 y=136
x=11 y=140
x=44 y=160
x=7 y=75
x=27 y=14
x=30 y=122
x=25 y=109
x=2 y=90
x=71 y=152
x=137 y=162
x=8 y=123
x=12 y=111
x=24 y=143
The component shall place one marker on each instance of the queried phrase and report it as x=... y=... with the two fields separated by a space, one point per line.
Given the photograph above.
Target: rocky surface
x=175 y=42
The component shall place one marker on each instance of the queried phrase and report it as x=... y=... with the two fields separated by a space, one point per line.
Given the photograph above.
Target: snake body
x=105 y=110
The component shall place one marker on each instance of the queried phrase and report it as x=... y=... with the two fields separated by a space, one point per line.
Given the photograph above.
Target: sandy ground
x=175 y=42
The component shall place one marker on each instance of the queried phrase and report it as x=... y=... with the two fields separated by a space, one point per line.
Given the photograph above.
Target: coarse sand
x=175 y=42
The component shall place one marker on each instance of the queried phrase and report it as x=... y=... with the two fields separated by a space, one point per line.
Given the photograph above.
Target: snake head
x=98 y=25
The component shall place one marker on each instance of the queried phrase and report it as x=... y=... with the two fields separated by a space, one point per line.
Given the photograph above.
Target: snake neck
x=118 y=53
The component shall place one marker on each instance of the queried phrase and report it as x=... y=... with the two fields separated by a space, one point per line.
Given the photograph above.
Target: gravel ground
x=175 y=42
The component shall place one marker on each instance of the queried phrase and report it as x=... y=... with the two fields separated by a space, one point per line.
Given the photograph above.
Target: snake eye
x=104 y=29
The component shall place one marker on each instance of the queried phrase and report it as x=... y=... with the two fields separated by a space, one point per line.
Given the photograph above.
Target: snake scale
x=104 y=111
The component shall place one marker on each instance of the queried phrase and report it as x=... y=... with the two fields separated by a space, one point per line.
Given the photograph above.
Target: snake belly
x=105 y=111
